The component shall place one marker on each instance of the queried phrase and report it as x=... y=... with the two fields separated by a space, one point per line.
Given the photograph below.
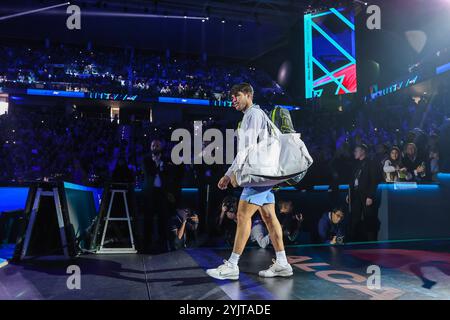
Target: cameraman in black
x=226 y=223
x=290 y=221
x=183 y=229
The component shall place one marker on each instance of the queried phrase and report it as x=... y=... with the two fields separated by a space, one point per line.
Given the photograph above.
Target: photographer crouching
x=332 y=228
x=183 y=229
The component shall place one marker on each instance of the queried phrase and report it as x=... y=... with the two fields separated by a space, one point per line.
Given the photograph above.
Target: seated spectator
x=290 y=221
x=183 y=229
x=332 y=228
x=393 y=168
x=415 y=165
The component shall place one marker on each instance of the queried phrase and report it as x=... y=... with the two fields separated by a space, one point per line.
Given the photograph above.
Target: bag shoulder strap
x=273 y=130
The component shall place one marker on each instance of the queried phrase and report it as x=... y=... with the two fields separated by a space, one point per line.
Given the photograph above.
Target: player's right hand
x=223 y=182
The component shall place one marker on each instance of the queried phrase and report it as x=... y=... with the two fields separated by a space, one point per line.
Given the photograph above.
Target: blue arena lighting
x=443 y=176
x=394 y=87
x=189 y=190
x=13 y=198
x=443 y=68
x=287 y=189
x=407 y=186
x=321 y=188
x=111 y=96
x=201 y=102
x=56 y=93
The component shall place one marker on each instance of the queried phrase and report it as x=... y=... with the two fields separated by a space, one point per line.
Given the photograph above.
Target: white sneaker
x=277 y=270
x=226 y=271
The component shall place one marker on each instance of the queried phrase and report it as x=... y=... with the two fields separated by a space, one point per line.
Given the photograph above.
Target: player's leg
x=269 y=217
x=244 y=225
x=230 y=269
x=280 y=266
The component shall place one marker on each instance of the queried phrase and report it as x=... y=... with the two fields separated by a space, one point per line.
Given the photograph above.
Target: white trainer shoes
x=226 y=271
x=277 y=270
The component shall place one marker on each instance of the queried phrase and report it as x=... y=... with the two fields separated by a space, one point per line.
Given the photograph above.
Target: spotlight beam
x=140 y=15
x=33 y=11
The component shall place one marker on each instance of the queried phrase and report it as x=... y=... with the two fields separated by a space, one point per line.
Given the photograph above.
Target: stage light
x=140 y=15
x=223 y=20
x=33 y=11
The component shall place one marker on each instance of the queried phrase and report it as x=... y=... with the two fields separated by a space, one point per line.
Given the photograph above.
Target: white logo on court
x=74 y=280
x=374 y=280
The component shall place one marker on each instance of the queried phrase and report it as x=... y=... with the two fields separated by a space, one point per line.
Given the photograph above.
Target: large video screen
x=330 y=58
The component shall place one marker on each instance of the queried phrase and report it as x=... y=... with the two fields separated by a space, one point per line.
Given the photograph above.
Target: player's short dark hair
x=244 y=87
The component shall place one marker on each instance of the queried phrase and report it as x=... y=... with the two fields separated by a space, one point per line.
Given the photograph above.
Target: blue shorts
x=258 y=195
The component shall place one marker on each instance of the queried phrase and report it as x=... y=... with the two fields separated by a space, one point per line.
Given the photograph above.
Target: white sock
x=234 y=259
x=281 y=258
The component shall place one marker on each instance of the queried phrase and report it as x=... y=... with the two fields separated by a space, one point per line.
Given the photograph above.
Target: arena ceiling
x=250 y=28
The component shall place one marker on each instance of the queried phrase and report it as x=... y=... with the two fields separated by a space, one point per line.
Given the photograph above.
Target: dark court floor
x=407 y=270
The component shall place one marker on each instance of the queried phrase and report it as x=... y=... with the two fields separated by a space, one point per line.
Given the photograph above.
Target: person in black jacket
x=163 y=191
x=363 y=223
